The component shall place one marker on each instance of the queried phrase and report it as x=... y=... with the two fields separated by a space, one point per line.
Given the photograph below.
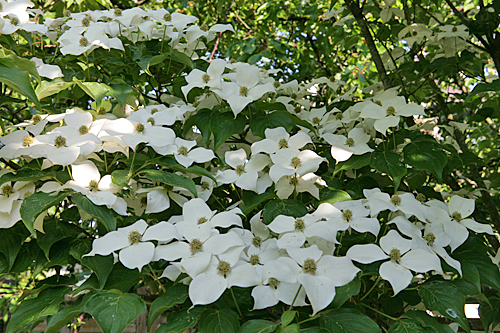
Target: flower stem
x=371 y=289
x=377 y=311
x=155 y=277
x=295 y=298
x=236 y=303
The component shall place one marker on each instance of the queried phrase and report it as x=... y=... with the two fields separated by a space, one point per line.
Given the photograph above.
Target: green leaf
x=426 y=155
x=46 y=304
x=355 y=162
x=219 y=321
x=224 y=125
x=95 y=90
x=490 y=313
x=102 y=213
x=171 y=179
x=407 y=326
x=484 y=87
x=287 y=317
x=120 y=177
x=427 y=321
x=181 y=58
x=331 y=195
x=122 y=278
x=24 y=174
x=11 y=243
x=63 y=317
x=294 y=328
x=257 y=326
x=54 y=231
x=390 y=164
x=174 y=165
x=289 y=207
x=314 y=330
x=444 y=297
x=259 y=124
x=19 y=81
x=348 y=320
x=343 y=293
x=172 y=296
x=49 y=88
x=253 y=200
x=181 y=320
x=474 y=252
x=37 y=203
x=471 y=275
x=114 y=310
x=121 y=92
x=101 y=266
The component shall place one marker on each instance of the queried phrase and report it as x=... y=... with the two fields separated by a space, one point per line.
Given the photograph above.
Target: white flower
x=212 y=78
x=278 y=138
x=352 y=214
x=46 y=70
x=132 y=241
x=245 y=90
x=343 y=148
x=288 y=162
x=185 y=154
x=402 y=259
x=307 y=183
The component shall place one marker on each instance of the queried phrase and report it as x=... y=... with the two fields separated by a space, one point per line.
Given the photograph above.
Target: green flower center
x=7 y=190
x=257 y=241
x=346 y=215
x=309 y=266
x=140 y=128
x=316 y=121
x=276 y=84
x=454 y=29
x=224 y=268
x=395 y=255
x=154 y=110
x=283 y=143
x=195 y=245
x=332 y=78
x=67 y=13
x=86 y=21
x=202 y=220
x=396 y=200
x=244 y=91
x=144 y=201
x=421 y=197
x=27 y=140
x=205 y=78
x=93 y=184
x=254 y=259
x=36 y=119
x=14 y=20
x=293 y=96
x=430 y=238
x=118 y=12
x=167 y=17
x=391 y=111
x=83 y=129
x=205 y=186
x=300 y=225
x=60 y=141
x=296 y=162
x=456 y=216
x=204 y=27
x=240 y=169
x=84 y=42
x=293 y=180
x=151 y=120
x=134 y=237
x=339 y=116
x=378 y=102
x=273 y=283
x=414 y=33
x=182 y=151
x=297 y=109
x=349 y=142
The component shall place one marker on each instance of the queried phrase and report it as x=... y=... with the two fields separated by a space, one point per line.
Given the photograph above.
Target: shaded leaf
x=35 y=204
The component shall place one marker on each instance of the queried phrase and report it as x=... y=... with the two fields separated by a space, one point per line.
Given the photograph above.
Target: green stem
x=371 y=289
x=155 y=277
x=69 y=172
x=377 y=311
x=236 y=303
x=295 y=298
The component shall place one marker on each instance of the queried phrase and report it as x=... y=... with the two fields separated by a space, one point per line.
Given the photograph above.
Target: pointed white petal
x=162 y=231
x=319 y=289
x=109 y=243
x=206 y=288
x=137 y=255
x=398 y=276
x=366 y=253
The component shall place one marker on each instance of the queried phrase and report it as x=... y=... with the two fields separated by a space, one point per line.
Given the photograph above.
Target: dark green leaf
x=253 y=200
x=120 y=177
x=425 y=155
x=46 y=304
x=348 y=320
x=54 y=231
x=428 y=322
x=10 y=244
x=484 y=87
x=121 y=92
x=171 y=179
x=390 y=164
x=332 y=195
x=181 y=320
x=19 y=81
x=63 y=317
x=257 y=326
x=24 y=174
x=102 y=213
x=490 y=313
x=219 y=321
x=355 y=162
x=287 y=317
x=101 y=266
x=343 y=293
x=114 y=310
x=289 y=207
x=263 y=121
x=97 y=91
x=122 y=278
x=172 y=296
x=444 y=297
x=37 y=203
x=224 y=125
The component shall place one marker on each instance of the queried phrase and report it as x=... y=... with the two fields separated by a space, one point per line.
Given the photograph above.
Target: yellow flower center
x=283 y=143
x=27 y=140
x=430 y=238
x=339 y=116
x=195 y=245
x=14 y=20
x=254 y=259
x=244 y=91
x=182 y=151
x=349 y=142
x=347 y=215
x=205 y=78
x=316 y=121
x=93 y=185
x=297 y=109
x=167 y=17
x=36 y=119
x=151 y=120
x=300 y=225
x=205 y=186
x=276 y=84
x=395 y=255
x=391 y=111
x=257 y=241
x=140 y=128
x=296 y=162
x=202 y=220
x=240 y=169
x=134 y=237
x=83 y=129
x=204 y=27
x=224 y=268
x=396 y=200
x=456 y=216
x=118 y=12
x=60 y=141
x=84 y=42
x=273 y=283
x=310 y=266
x=421 y=197
x=101 y=111
x=86 y=21
x=7 y=190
